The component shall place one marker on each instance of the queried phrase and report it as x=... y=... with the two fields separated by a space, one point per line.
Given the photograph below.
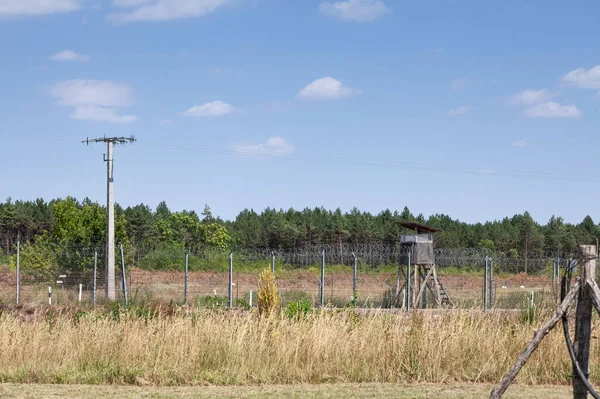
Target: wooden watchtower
x=420 y=276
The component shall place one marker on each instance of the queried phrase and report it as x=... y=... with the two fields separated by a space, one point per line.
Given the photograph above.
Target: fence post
x=273 y=262
x=354 y=278
x=397 y=296
x=18 y=268
x=185 y=286
x=403 y=298
x=485 y=284
x=231 y=280
x=554 y=265
x=124 y=277
x=491 y=295
x=583 y=319
x=322 y=293
x=408 y=282
x=95 y=269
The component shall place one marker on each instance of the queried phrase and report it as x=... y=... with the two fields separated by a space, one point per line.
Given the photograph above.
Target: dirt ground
x=450 y=391
x=464 y=288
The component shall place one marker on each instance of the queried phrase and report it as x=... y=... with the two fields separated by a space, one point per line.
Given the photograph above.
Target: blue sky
x=475 y=109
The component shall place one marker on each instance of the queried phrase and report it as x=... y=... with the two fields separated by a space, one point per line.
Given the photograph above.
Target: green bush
x=243 y=304
x=162 y=260
x=113 y=310
x=38 y=258
x=354 y=300
x=298 y=309
x=215 y=301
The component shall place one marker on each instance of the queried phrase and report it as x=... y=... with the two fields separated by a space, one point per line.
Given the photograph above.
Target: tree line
x=70 y=222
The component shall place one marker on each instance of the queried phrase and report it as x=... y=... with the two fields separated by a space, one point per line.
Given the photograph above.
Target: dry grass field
x=195 y=347
x=150 y=350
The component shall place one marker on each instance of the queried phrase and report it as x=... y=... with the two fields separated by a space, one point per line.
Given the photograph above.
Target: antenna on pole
x=110 y=209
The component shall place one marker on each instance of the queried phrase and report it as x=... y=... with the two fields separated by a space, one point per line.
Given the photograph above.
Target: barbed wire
x=80 y=259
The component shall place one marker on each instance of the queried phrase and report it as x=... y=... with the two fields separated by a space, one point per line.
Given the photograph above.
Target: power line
x=270 y=154
x=384 y=163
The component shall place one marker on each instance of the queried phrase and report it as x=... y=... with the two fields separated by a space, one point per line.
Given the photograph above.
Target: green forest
x=72 y=223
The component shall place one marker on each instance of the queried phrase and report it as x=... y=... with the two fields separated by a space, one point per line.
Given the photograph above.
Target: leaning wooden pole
x=595 y=293
x=424 y=284
x=583 y=323
x=534 y=343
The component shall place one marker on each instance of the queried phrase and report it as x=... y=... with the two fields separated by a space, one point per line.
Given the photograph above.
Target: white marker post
x=250 y=298
x=60 y=283
x=80 y=290
x=531 y=300
x=50 y=296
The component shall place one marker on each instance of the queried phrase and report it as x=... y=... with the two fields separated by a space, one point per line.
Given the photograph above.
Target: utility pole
x=110 y=209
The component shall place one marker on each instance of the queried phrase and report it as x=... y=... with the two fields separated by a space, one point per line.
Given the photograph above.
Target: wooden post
x=416 y=288
x=595 y=293
x=583 y=326
x=437 y=288
x=534 y=343
x=422 y=293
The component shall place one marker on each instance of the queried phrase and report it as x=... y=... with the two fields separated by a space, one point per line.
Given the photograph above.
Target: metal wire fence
x=158 y=275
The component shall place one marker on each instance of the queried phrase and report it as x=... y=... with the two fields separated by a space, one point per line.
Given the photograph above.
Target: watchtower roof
x=418 y=227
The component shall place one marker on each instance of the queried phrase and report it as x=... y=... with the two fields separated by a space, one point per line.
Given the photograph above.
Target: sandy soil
x=449 y=391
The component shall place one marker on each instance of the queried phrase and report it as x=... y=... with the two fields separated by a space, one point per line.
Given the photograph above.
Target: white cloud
x=354 y=10
x=69 y=55
x=273 y=146
x=520 y=144
x=459 y=83
x=104 y=93
x=214 y=108
x=530 y=97
x=162 y=10
x=552 y=109
x=94 y=113
x=13 y=8
x=485 y=171
x=582 y=78
x=460 y=110
x=95 y=100
x=326 y=89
